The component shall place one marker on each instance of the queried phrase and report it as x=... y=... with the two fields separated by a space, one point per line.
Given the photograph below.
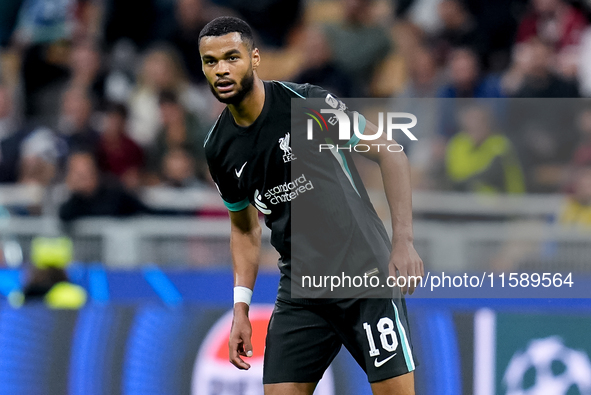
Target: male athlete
x=249 y=156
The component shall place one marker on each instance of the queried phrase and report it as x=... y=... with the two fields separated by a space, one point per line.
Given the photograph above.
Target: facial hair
x=246 y=85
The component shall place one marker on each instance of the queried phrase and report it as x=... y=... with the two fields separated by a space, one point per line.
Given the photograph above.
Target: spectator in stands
x=320 y=68
x=539 y=80
x=44 y=75
x=47 y=279
x=485 y=24
x=178 y=170
x=43 y=31
x=36 y=170
x=93 y=196
x=425 y=157
x=9 y=139
x=555 y=22
x=423 y=14
x=75 y=121
x=358 y=44
x=424 y=77
x=8 y=154
x=161 y=70
x=180 y=129
x=86 y=72
x=466 y=79
x=545 y=139
x=459 y=30
x=513 y=77
x=9 y=11
x=29 y=155
x=7 y=121
x=272 y=20
x=582 y=153
x=479 y=159
x=497 y=22
x=190 y=17
x=130 y=19
x=40 y=156
x=583 y=63
x=120 y=75
x=576 y=211
x=581 y=156
x=10 y=157
x=118 y=155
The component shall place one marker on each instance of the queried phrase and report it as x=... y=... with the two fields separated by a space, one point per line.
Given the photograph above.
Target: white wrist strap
x=242 y=294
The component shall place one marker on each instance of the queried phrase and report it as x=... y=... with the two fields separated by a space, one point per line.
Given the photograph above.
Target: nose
x=222 y=68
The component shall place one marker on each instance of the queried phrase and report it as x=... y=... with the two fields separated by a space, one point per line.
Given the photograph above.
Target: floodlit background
x=103 y=113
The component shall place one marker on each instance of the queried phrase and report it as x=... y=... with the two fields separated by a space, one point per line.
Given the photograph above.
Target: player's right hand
x=240 y=337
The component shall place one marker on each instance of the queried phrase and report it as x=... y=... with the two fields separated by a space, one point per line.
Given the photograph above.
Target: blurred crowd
x=107 y=97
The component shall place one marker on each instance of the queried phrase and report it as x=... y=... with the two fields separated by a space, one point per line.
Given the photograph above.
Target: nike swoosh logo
x=380 y=363
x=239 y=172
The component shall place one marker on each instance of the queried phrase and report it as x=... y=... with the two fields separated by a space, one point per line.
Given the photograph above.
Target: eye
x=233 y=57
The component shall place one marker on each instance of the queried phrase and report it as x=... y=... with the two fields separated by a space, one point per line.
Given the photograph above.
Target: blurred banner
x=166 y=332
x=532 y=353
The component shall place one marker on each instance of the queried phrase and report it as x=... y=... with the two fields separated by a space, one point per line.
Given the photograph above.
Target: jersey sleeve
x=327 y=101
x=233 y=197
x=332 y=102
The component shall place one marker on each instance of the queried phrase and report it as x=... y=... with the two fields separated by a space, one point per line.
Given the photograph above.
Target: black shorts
x=302 y=340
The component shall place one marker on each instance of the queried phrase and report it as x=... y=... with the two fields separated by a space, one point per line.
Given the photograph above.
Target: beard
x=246 y=85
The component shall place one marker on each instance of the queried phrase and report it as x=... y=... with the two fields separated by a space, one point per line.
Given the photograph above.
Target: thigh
x=400 y=385
x=290 y=389
x=376 y=333
x=300 y=345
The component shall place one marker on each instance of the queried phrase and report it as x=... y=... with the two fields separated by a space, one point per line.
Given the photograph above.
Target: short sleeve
x=233 y=198
x=330 y=121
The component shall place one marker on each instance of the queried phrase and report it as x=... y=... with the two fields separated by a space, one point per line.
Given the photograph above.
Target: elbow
x=253 y=231
x=257 y=231
x=246 y=223
x=397 y=158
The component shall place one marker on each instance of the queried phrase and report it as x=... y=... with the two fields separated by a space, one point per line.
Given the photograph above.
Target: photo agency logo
x=353 y=141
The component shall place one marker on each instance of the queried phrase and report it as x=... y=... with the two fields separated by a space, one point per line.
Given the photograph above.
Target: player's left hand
x=405 y=262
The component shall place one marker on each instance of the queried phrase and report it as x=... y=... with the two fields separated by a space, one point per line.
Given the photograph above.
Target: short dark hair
x=226 y=25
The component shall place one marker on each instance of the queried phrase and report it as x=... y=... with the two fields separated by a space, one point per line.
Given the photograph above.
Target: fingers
x=418 y=274
x=412 y=282
x=236 y=350
x=402 y=272
x=413 y=273
x=412 y=270
x=247 y=347
x=240 y=344
x=392 y=269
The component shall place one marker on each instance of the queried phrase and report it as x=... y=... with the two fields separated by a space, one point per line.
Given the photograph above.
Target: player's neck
x=248 y=110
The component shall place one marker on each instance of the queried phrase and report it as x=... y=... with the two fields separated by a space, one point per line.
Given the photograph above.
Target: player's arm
x=245 y=245
x=395 y=171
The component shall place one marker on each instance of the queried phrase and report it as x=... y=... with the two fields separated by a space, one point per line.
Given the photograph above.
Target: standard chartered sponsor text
x=288 y=191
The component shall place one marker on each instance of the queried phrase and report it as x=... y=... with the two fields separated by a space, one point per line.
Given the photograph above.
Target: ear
x=255 y=58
